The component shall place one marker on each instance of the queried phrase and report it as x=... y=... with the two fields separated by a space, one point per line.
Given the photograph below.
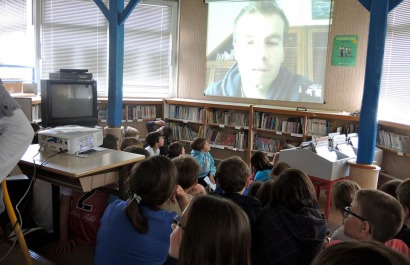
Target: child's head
x=151 y=182
x=110 y=141
x=188 y=170
x=165 y=131
x=359 y=253
x=343 y=193
x=253 y=190
x=176 y=149
x=277 y=169
x=264 y=194
x=260 y=161
x=390 y=187
x=154 y=139
x=403 y=195
x=373 y=215
x=232 y=174
x=131 y=132
x=200 y=144
x=130 y=141
x=294 y=190
x=137 y=150
x=226 y=242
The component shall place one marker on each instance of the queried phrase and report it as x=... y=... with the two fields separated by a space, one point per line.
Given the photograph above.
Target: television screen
x=68 y=103
x=274 y=50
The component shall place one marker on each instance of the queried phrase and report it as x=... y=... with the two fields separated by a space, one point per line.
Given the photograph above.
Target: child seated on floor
x=231 y=176
x=359 y=253
x=137 y=231
x=200 y=151
x=188 y=170
x=403 y=195
x=154 y=141
x=375 y=215
x=130 y=141
x=176 y=149
x=343 y=193
x=131 y=132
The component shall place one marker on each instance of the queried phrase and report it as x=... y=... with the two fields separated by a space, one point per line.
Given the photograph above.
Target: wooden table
x=78 y=173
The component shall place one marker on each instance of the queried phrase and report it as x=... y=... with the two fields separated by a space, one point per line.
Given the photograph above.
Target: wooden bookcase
x=225 y=125
x=265 y=128
x=30 y=104
x=136 y=113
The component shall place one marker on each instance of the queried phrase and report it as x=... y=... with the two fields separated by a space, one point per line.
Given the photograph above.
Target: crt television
x=68 y=102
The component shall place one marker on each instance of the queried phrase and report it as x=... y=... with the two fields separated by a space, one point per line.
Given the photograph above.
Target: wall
x=343 y=85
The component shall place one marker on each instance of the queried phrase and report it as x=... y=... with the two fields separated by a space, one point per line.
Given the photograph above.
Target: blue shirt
x=262 y=175
x=118 y=242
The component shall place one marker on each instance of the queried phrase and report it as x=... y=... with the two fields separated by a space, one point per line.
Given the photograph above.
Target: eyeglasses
x=348 y=210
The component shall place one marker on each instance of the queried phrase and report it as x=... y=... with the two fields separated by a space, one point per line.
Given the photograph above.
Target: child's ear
x=366 y=227
x=406 y=212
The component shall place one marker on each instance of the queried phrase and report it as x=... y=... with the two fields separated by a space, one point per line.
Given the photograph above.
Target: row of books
x=133 y=113
x=229 y=117
x=186 y=113
x=401 y=143
x=266 y=144
x=184 y=132
x=36 y=113
x=218 y=137
x=320 y=127
x=266 y=121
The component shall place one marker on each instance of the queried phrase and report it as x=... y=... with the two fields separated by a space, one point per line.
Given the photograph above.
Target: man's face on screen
x=259 y=51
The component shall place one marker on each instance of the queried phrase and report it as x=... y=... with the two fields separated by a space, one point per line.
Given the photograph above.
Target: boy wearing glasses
x=375 y=216
x=403 y=195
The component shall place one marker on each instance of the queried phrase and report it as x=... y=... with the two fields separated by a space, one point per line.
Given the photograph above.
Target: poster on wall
x=344 y=50
x=321 y=9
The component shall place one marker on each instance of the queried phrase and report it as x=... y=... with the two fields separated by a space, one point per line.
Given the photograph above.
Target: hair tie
x=137 y=198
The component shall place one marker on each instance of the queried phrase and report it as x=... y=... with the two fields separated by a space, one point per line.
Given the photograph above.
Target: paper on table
x=346 y=149
x=208 y=181
x=324 y=152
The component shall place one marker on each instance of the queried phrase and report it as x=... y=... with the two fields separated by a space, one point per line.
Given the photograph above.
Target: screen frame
x=305 y=66
x=48 y=120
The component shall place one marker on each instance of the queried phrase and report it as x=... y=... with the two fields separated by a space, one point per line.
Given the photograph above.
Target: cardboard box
x=14 y=87
x=316 y=166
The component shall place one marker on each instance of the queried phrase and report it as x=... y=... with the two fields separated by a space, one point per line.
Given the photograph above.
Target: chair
x=15 y=224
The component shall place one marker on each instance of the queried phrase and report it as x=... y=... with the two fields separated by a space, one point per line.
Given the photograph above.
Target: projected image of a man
x=259 y=38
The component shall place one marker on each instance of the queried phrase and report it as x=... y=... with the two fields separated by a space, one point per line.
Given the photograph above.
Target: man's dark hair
x=264 y=8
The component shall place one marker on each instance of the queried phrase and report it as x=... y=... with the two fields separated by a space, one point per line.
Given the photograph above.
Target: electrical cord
x=32 y=181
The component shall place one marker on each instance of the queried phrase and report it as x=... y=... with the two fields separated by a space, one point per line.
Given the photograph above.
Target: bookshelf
x=30 y=104
x=135 y=112
x=241 y=129
x=225 y=125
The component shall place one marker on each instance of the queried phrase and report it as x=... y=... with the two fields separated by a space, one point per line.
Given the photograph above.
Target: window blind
x=17 y=41
x=395 y=82
x=74 y=39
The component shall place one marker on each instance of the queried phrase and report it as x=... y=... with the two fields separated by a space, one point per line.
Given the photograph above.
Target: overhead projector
x=70 y=138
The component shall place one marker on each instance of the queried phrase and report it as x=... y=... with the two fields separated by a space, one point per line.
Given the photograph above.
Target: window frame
x=103 y=92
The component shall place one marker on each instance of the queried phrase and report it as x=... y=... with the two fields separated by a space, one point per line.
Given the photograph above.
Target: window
x=395 y=83
x=17 y=41
x=73 y=39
